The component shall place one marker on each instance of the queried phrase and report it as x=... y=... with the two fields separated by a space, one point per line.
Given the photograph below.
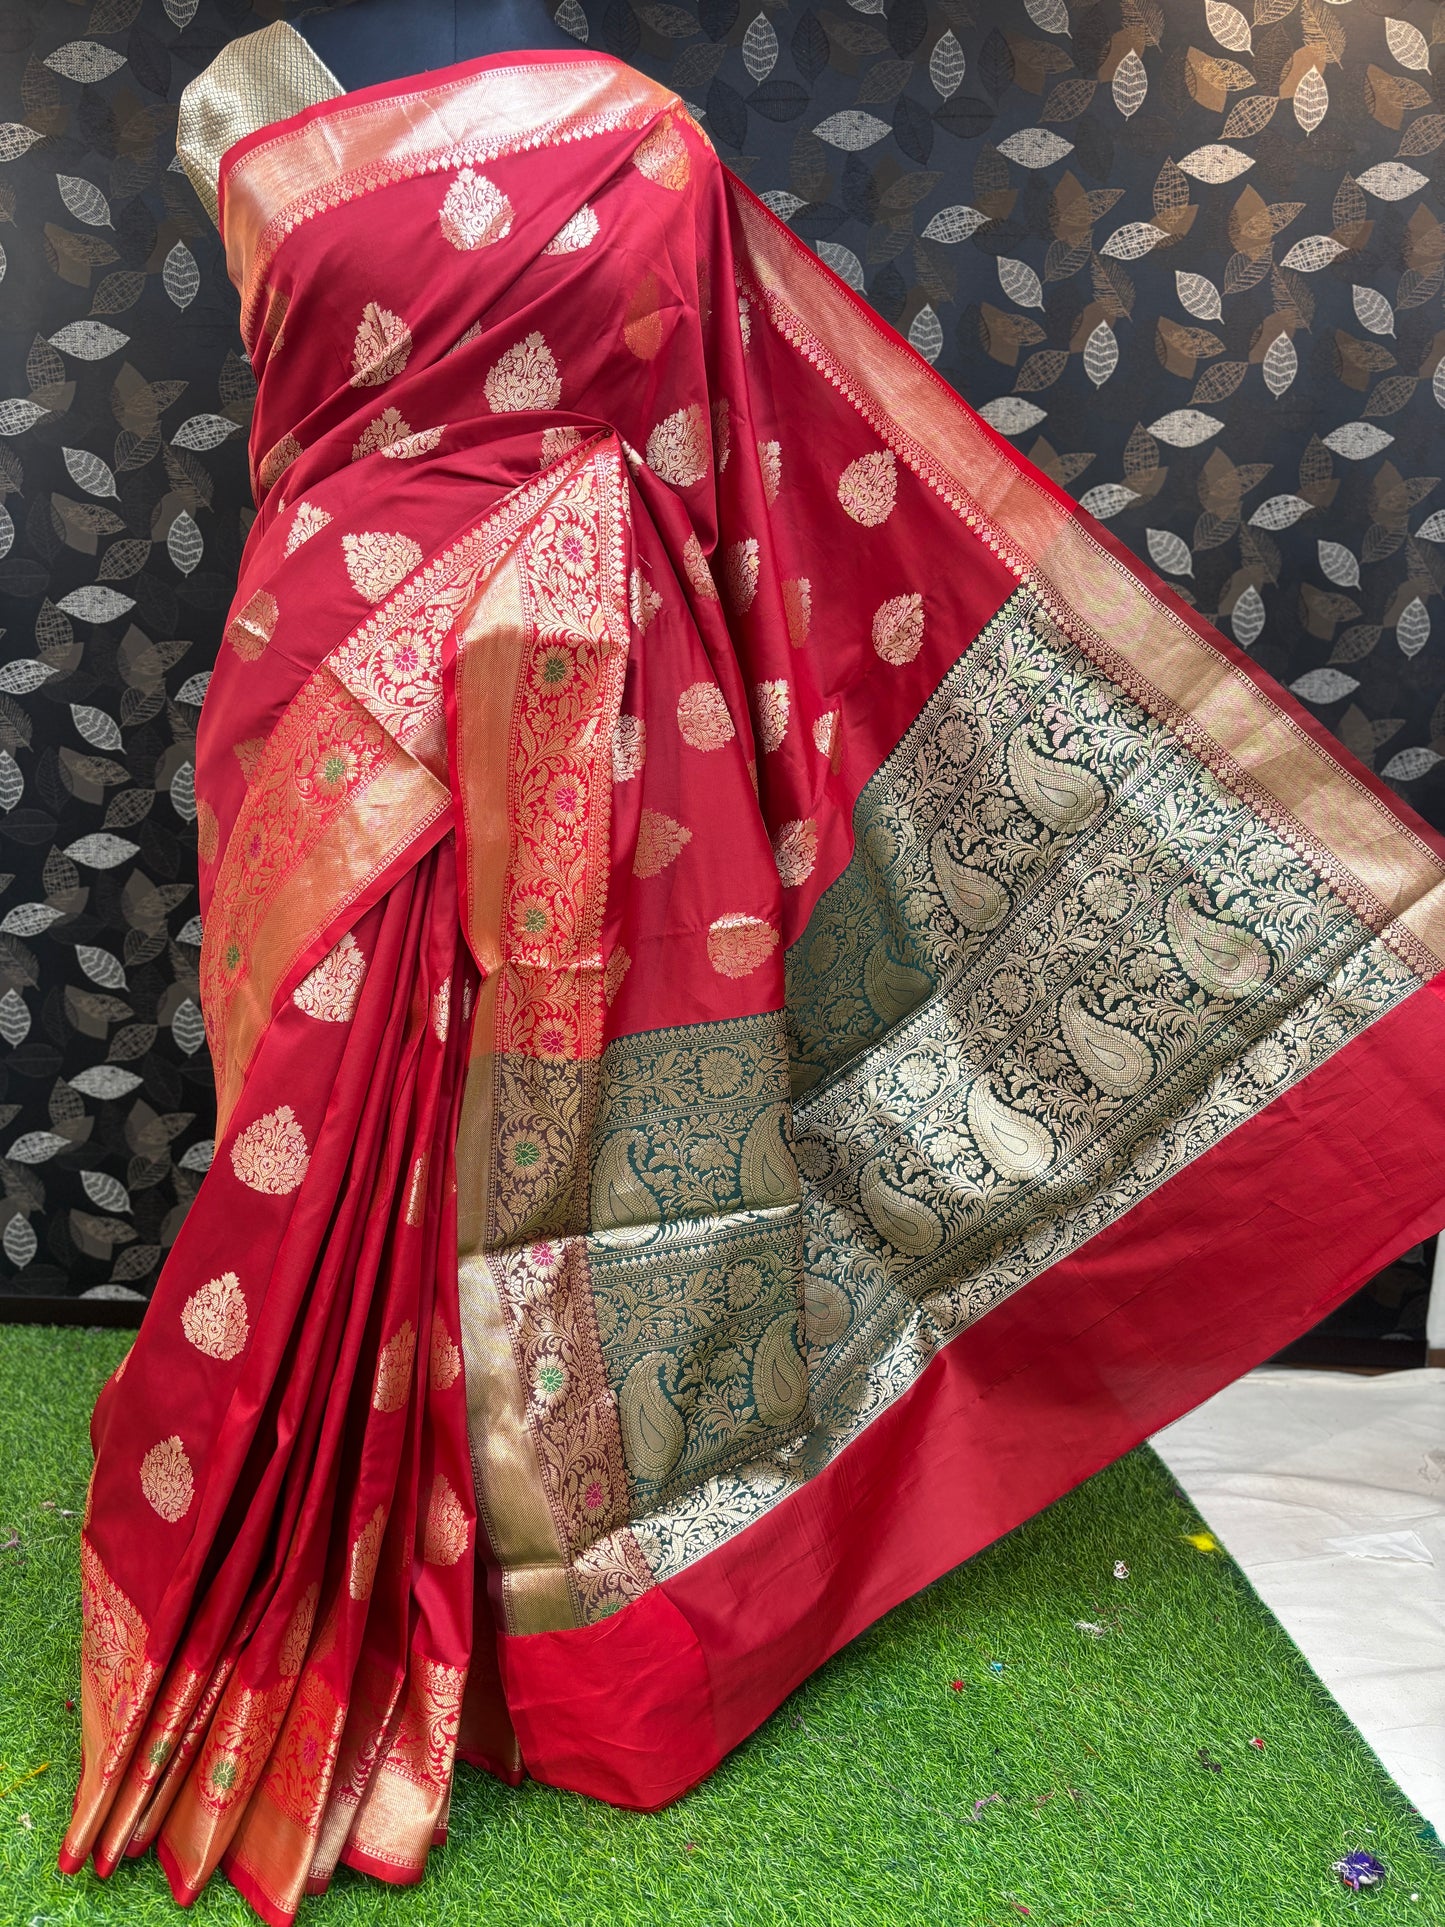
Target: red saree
x=777 y=1000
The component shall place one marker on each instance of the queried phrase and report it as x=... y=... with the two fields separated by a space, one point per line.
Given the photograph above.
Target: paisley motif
x=653 y=1432
x=1016 y=1145
x=1222 y=958
x=779 y=1376
x=891 y=986
x=1113 y=1058
x=622 y=1205
x=978 y=900
x=904 y=1221
x=1063 y=796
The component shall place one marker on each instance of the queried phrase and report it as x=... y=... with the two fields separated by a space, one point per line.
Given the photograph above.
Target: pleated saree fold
x=777 y=999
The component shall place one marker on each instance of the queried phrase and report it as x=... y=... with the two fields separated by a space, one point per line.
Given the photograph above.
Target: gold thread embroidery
x=868 y=488
x=660 y=841
x=738 y=945
x=377 y=561
x=215 y=1319
x=703 y=720
x=330 y=989
x=475 y=213
x=166 y=1479
x=392 y=1385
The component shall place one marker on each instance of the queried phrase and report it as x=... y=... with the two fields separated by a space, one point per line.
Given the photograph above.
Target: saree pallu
x=777 y=1000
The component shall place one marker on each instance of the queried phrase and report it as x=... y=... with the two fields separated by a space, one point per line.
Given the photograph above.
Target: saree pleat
x=777 y=999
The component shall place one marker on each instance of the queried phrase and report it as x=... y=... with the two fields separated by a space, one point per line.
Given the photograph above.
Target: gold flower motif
x=868 y=488
x=660 y=841
x=446 y=1360
x=416 y=1193
x=722 y=435
x=898 y=629
x=277 y=459
x=208 y=832
x=475 y=212
x=770 y=460
x=377 y=561
x=214 y=1318
x=574 y=235
x=166 y=1479
x=698 y=570
x=557 y=442
x=405 y=446
x=526 y=376
x=737 y=945
x=702 y=717
x=795 y=849
x=247 y=753
x=365 y=1553
x=677 y=449
x=271 y=1155
x=385 y=429
x=798 y=608
x=308 y=520
x=330 y=989
x=663 y=156
x=392 y=1386
x=441 y=1009
x=629 y=748
x=643 y=599
x=741 y=575
x=774 y=700
x=745 y=320
x=253 y=625
x=446 y=1526
x=618 y=965
x=382 y=347
x=297 y=1635
x=642 y=323
x=825 y=733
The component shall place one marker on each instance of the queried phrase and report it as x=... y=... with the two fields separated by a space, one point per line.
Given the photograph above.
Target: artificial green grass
x=1061 y=1782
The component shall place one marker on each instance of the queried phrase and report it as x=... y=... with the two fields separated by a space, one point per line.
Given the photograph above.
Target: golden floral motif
x=277 y=459
x=307 y=520
x=299 y=1772
x=677 y=449
x=770 y=461
x=741 y=575
x=475 y=212
x=447 y=1533
x=642 y=599
x=660 y=841
x=271 y=1155
x=702 y=717
x=441 y=1009
x=253 y=625
x=297 y=1636
x=698 y=569
x=391 y=1387
x=774 y=705
x=617 y=967
x=416 y=1190
x=526 y=376
x=117 y=1678
x=166 y=1479
x=722 y=434
x=898 y=629
x=365 y=1553
x=795 y=849
x=208 y=832
x=377 y=561
x=248 y=752
x=446 y=1359
x=642 y=323
x=629 y=748
x=384 y=431
x=215 y=1319
x=273 y=328
x=575 y=234
x=738 y=945
x=330 y=989
x=402 y=447
x=557 y=442
x=798 y=609
x=745 y=320
x=868 y=488
x=662 y=157
x=237 y=1742
x=825 y=732
x=382 y=347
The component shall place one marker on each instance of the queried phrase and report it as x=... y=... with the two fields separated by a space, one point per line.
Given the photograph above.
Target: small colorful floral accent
x=1359 y=1870
x=1203 y=1541
x=957 y=1685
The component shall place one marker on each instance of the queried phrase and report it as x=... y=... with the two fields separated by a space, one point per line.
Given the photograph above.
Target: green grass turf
x=1068 y=1783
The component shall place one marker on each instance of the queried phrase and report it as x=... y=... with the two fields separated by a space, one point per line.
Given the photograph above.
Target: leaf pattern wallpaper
x=1187 y=255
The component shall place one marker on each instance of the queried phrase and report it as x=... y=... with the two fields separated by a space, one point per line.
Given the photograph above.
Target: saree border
x=339 y=152
x=1372 y=855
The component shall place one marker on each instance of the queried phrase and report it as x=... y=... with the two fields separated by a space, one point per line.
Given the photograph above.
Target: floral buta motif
x=382 y=347
x=277 y=459
x=475 y=212
x=253 y=625
x=898 y=629
x=703 y=718
x=795 y=850
x=774 y=706
x=330 y=989
x=365 y=1553
x=391 y=1387
x=663 y=157
x=738 y=945
x=415 y=1208
x=272 y=1155
x=678 y=449
x=798 y=609
x=629 y=748
x=770 y=462
x=306 y=520
x=215 y=1319
x=868 y=488
x=447 y=1532
x=166 y=1479
x=377 y=561
x=579 y=232
x=526 y=376
x=740 y=572
x=446 y=1358
x=698 y=569
x=661 y=839
x=441 y=1009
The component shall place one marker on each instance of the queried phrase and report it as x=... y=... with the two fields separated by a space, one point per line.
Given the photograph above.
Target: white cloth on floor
x=1329 y=1489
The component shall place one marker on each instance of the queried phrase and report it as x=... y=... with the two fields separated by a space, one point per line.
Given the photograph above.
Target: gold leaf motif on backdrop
x=798 y=608
x=629 y=748
x=660 y=841
x=774 y=705
x=526 y=376
x=329 y=990
x=382 y=347
x=253 y=625
x=214 y=1318
x=475 y=212
x=703 y=720
x=166 y=1479
x=677 y=449
x=868 y=488
x=795 y=851
x=447 y=1532
x=271 y=1155
x=739 y=945
x=365 y=1553
x=306 y=521
x=446 y=1359
x=575 y=234
x=377 y=561
x=663 y=156
x=898 y=629
x=392 y=1385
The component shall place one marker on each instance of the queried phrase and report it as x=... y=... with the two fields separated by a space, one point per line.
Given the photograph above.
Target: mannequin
x=369 y=41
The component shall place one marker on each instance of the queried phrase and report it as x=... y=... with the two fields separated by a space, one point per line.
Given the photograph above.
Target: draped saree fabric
x=776 y=1000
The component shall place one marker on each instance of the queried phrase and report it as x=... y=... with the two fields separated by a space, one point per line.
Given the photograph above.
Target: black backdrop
x=1188 y=255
